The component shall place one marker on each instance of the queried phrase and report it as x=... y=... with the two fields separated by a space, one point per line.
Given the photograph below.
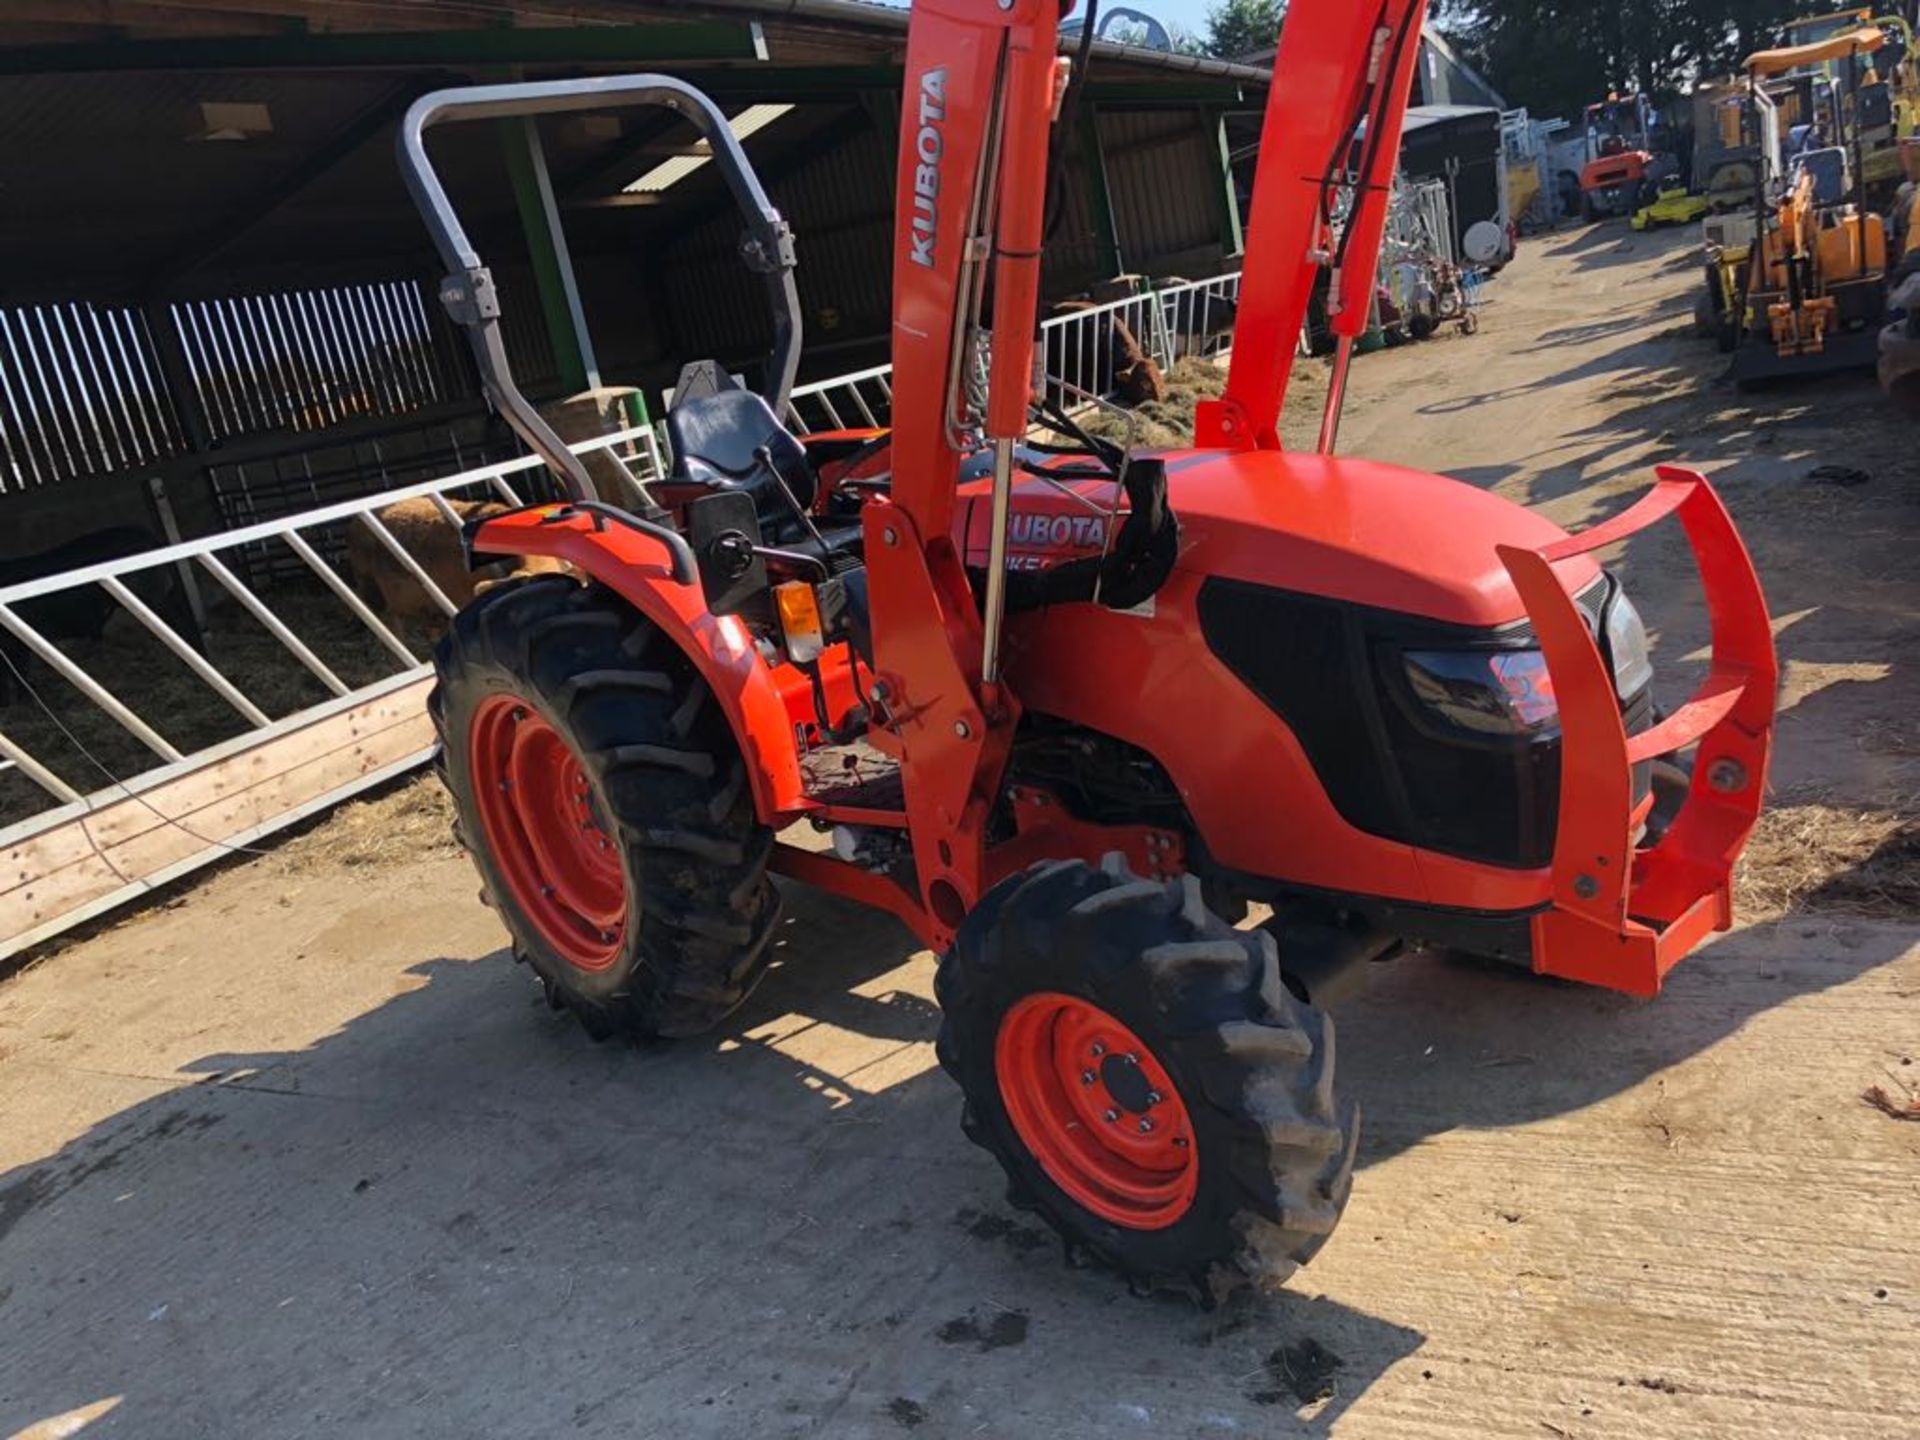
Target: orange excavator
x=1814 y=289
x=1067 y=709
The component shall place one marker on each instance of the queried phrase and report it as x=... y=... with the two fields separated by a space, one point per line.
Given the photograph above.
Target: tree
x=1557 y=56
x=1239 y=27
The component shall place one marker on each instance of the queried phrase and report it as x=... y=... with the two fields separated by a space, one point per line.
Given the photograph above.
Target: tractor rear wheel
x=605 y=803
x=1145 y=1079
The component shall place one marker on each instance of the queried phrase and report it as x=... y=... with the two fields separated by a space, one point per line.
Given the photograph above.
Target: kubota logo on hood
x=926 y=174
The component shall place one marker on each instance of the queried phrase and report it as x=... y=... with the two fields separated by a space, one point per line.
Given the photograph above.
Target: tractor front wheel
x=605 y=802
x=1145 y=1079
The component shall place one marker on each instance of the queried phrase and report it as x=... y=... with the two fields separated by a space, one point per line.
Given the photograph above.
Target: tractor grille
x=1335 y=673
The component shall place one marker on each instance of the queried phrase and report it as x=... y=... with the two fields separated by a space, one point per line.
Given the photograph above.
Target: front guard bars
x=1622 y=918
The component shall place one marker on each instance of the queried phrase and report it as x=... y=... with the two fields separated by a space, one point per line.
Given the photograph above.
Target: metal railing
x=844 y=402
x=1176 y=320
x=1082 y=352
x=120 y=580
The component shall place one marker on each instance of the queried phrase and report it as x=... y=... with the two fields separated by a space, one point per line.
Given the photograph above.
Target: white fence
x=1081 y=352
x=861 y=399
x=94 y=847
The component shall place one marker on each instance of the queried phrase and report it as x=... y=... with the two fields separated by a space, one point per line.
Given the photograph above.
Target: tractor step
x=853 y=776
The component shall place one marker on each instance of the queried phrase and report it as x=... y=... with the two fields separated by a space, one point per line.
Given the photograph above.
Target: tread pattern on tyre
x=672 y=790
x=1254 y=1067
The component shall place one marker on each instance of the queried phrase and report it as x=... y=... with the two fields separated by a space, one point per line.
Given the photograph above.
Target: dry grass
x=159 y=687
x=411 y=821
x=1817 y=856
x=1162 y=424
x=1168 y=424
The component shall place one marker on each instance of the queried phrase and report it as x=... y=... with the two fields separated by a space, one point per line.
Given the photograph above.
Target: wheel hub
x=546 y=833
x=1122 y=1078
x=1097 y=1110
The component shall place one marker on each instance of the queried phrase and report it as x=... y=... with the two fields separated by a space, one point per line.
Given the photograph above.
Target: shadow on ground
x=457 y=1216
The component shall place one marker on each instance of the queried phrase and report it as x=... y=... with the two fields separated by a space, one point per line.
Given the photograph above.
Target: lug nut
x=1098 y=1049
x=1112 y=1115
x=1179 y=1142
x=1146 y=1126
x=1131 y=1058
x=1086 y=1077
x=1153 y=1097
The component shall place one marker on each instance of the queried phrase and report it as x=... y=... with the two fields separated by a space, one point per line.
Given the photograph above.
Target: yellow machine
x=1673 y=206
x=1814 y=283
x=1881 y=95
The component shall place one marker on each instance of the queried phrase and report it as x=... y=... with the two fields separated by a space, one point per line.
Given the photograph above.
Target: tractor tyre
x=604 y=800
x=1145 y=1079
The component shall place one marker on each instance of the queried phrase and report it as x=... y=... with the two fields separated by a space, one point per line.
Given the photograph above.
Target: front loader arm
x=981 y=82
x=1339 y=95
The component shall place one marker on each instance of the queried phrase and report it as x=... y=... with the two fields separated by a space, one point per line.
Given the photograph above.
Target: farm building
x=220 y=330
x=214 y=279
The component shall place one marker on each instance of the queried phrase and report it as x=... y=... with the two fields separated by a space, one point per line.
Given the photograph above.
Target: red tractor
x=1068 y=710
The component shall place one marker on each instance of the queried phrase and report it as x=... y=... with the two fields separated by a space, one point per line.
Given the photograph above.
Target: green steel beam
x=499 y=45
x=1232 y=237
x=1093 y=159
x=547 y=248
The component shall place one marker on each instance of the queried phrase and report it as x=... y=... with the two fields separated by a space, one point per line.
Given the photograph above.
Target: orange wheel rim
x=543 y=828
x=1099 y=1112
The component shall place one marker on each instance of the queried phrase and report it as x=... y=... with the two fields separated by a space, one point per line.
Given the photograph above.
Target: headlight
x=1494 y=692
x=1627 y=646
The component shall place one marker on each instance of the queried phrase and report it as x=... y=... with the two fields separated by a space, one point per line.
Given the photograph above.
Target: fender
x=640 y=571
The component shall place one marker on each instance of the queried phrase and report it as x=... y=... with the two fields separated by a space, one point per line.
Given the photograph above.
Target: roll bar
x=468 y=292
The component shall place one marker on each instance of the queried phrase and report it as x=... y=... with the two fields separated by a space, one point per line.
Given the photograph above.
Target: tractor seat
x=724 y=438
x=1829 y=168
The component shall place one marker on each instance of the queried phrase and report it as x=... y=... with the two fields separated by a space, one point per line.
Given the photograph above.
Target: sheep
x=389 y=588
x=1136 y=376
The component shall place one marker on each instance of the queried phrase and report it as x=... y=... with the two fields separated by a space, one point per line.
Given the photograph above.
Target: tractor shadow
x=1610 y=244
x=1440 y=1044
x=457 y=1216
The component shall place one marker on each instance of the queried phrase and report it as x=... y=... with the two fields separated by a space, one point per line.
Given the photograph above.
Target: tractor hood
x=1355 y=530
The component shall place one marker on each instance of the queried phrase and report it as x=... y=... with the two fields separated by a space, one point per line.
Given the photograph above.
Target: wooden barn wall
x=1163 y=172
x=840 y=205
x=1163 y=169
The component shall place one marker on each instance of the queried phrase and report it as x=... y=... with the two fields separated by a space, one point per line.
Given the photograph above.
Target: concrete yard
x=299 y=1152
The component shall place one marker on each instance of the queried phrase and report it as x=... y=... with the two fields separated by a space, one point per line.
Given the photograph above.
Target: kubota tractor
x=1065 y=709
